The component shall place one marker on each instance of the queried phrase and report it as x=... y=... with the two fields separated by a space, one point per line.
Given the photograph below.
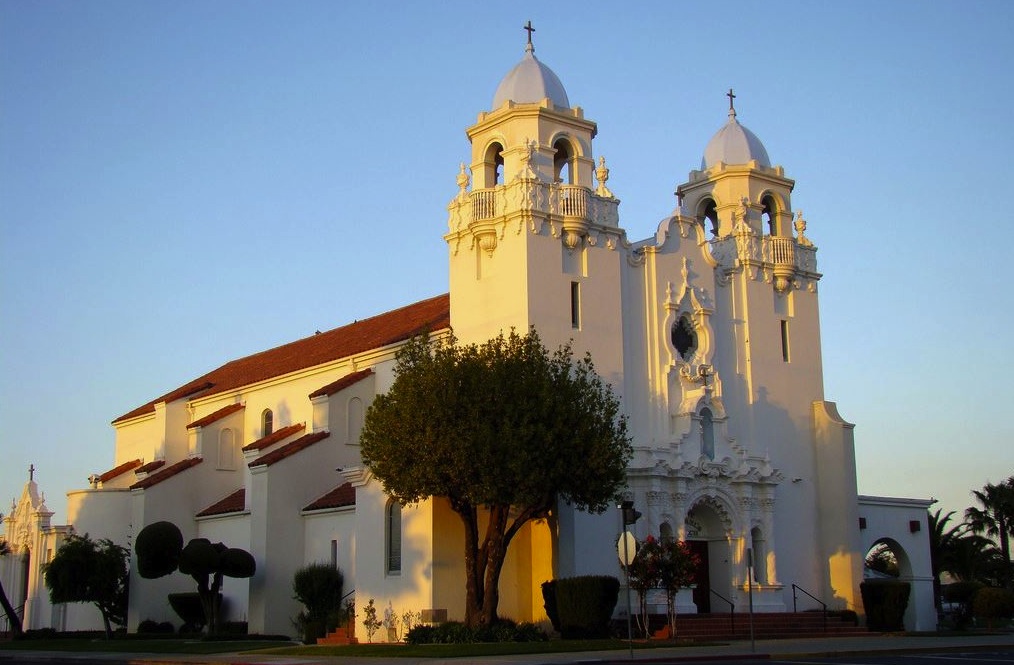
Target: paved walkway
x=792 y=648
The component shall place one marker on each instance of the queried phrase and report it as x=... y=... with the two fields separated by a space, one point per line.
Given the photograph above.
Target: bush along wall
x=585 y=605
x=885 y=602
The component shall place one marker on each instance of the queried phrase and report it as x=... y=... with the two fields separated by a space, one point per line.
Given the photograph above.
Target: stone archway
x=707 y=528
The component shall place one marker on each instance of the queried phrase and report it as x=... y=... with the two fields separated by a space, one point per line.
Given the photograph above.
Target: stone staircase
x=767 y=626
x=342 y=635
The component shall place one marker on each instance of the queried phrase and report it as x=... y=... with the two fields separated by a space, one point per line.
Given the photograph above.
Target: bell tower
x=533 y=230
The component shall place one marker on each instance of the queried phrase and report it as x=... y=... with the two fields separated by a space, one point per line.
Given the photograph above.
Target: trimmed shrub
x=455 y=632
x=585 y=605
x=549 y=602
x=151 y=627
x=992 y=604
x=885 y=602
x=962 y=594
x=187 y=606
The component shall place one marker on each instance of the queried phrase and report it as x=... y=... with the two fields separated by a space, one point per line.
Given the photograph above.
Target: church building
x=708 y=331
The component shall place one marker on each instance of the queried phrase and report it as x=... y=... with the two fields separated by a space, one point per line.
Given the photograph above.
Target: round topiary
x=158 y=547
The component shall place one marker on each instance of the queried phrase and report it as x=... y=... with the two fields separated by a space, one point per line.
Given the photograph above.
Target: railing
x=732 y=610
x=783 y=251
x=483 y=204
x=796 y=587
x=5 y=623
x=573 y=201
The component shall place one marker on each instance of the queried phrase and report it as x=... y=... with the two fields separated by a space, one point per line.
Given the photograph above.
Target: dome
x=530 y=82
x=734 y=144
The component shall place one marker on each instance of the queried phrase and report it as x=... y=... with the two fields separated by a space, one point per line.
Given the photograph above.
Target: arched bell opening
x=492 y=166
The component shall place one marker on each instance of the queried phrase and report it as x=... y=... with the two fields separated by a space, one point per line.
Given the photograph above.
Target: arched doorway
x=707 y=536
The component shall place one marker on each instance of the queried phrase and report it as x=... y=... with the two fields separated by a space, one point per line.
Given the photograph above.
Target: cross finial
x=530 y=29
x=731 y=96
x=31 y=472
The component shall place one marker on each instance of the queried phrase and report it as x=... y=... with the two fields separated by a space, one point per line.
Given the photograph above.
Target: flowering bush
x=668 y=565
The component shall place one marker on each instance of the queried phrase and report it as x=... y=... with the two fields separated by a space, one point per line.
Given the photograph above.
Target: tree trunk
x=12 y=616
x=473 y=568
x=105 y=622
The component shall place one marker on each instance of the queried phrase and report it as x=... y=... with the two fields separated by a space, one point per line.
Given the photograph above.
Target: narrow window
x=665 y=532
x=393 y=528
x=355 y=420
x=707 y=434
x=562 y=169
x=709 y=217
x=334 y=553
x=493 y=166
x=769 y=216
x=226 y=446
x=759 y=555
x=785 y=340
x=267 y=422
x=575 y=305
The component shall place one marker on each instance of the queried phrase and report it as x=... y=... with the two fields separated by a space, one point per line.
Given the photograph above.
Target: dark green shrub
x=961 y=595
x=992 y=604
x=421 y=634
x=529 y=632
x=549 y=602
x=454 y=632
x=150 y=627
x=585 y=605
x=233 y=628
x=885 y=602
x=319 y=587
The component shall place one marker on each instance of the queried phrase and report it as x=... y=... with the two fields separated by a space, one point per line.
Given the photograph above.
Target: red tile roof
x=234 y=503
x=382 y=330
x=119 y=470
x=339 y=497
x=166 y=473
x=289 y=449
x=217 y=415
x=150 y=466
x=342 y=383
x=274 y=437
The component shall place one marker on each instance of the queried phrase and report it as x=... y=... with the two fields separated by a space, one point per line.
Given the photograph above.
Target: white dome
x=734 y=144
x=530 y=82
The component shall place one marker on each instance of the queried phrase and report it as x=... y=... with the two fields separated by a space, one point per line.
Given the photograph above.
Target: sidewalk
x=773 y=649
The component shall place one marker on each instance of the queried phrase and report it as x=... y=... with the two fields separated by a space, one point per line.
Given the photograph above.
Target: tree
x=318 y=586
x=502 y=431
x=677 y=566
x=89 y=571
x=160 y=551
x=995 y=518
x=943 y=549
x=12 y=616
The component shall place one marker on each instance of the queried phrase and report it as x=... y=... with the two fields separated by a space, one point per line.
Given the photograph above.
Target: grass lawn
x=187 y=646
x=465 y=650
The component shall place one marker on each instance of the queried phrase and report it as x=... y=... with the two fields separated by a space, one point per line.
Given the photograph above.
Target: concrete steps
x=765 y=626
x=342 y=635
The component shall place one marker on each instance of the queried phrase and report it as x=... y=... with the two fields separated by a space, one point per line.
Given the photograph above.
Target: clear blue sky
x=183 y=183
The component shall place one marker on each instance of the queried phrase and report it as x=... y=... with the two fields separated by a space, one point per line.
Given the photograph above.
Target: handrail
x=732 y=610
x=822 y=604
x=5 y=623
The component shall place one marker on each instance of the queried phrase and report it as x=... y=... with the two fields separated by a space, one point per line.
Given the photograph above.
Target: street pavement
x=789 y=649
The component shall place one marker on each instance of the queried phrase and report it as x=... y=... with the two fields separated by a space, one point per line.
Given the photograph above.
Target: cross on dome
x=530 y=29
x=731 y=96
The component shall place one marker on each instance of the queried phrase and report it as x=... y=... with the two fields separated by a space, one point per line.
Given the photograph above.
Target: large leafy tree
x=502 y=430
x=160 y=551
x=12 y=616
x=91 y=571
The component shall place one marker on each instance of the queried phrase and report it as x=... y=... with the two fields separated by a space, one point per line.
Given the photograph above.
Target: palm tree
x=996 y=516
x=12 y=616
x=945 y=545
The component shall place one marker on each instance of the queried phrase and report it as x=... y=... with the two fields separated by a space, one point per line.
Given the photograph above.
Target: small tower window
x=709 y=217
x=493 y=166
x=563 y=167
x=785 y=340
x=226 y=448
x=770 y=215
x=267 y=422
x=575 y=305
x=760 y=574
x=707 y=434
x=684 y=338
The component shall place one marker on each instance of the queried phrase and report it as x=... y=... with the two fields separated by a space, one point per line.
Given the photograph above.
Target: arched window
x=493 y=166
x=355 y=419
x=563 y=162
x=707 y=433
x=684 y=337
x=709 y=217
x=392 y=528
x=267 y=422
x=770 y=215
x=760 y=569
x=665 y=532
x=226 y=449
